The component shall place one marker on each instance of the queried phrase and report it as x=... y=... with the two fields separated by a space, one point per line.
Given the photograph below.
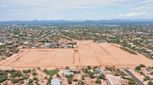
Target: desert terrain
x=87 y=53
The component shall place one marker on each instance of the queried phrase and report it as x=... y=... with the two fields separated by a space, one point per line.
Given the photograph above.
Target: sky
x=75 y=9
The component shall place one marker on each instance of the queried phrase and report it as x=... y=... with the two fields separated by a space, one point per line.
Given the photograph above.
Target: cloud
x=145 y=6
x=57 y=4
x=133 y=14
x=72 y=9
x=139 y=9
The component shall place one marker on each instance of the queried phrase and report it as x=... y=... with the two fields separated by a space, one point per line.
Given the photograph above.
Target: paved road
x=135 y=78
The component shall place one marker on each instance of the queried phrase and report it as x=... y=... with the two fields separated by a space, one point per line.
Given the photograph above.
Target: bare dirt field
x=87 y=53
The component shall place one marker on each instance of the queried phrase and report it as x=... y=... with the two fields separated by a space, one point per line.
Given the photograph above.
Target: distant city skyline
x=75 y=9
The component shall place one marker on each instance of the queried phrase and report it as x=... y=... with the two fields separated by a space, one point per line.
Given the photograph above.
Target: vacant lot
x=87 y=53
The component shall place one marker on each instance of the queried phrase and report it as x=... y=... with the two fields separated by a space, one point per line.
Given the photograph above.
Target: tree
x=131 y=82
x=30 y=81
x=98 y=81
x=3 y=77
x=146 y=78
x=150 y=83
x=142 y=65
x=138 y=68
x=101 y=76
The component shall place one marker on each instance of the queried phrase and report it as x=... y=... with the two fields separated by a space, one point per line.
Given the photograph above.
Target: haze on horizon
x=75 y=9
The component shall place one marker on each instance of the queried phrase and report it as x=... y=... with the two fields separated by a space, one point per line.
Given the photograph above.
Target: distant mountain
x=45 y=22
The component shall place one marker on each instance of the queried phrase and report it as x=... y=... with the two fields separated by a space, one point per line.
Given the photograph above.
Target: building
x=56 y=81
x=115 y=80
x=68 y=72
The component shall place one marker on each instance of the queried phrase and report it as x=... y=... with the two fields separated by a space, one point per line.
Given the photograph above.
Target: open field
x=87 y=53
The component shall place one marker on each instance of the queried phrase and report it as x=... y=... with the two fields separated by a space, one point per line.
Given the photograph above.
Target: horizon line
x=79 y=20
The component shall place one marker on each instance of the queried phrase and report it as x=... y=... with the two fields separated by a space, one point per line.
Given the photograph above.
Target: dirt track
x=87 y=53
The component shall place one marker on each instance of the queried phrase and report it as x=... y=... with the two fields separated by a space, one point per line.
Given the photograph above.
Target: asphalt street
x=135 y=78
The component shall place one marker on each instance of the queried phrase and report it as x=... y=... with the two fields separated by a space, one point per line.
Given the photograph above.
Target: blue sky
x=75 y=9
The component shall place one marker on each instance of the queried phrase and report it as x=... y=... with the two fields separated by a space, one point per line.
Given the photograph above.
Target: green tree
x=150 y=83
x=98 y=81
x=131 y=82
x=3 y=77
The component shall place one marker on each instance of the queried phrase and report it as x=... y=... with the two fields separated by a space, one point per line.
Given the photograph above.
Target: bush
x=131 y=82
x=89 y=67
x=49 y=81
x=69 y=81
x=34 y=73
x=146 y=78
x=138 y=68
x=69 y=77
x=15 y=80
x=81 y=82
x=16 y=74
x=98 y=81
x=50 y=72
x=75 y=80
x=3 y=77
x=150 y=83
x=35 y=78
x=25 y=77
x=142 y=65
x=22 y=82
x=26 y=71
x=82 y=77
x=91 y=75
x=37 y=83
x=30 y=81
x=101 y=76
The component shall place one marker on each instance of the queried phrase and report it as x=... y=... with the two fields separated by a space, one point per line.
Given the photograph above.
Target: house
x=73 y=69
x=56 y=81
x=115 y=80
x=2 y=43
x=68 y=72
x=71 y=44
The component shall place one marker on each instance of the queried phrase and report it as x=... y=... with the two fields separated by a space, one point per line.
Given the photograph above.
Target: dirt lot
x=87 y=53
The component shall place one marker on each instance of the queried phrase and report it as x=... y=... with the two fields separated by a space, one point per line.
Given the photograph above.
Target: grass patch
x=51 y=72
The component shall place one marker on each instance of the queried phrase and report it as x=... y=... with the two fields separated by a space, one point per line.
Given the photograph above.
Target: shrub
x=138 y=68
x=91 y=75
x=34 y=73
x=98 y=81
x=25 y=77
x=101 y=76
x=50 y=72
x=16 y=74
x=150 y=83
x=81 y=82
x=26 y=71
x=82 y=77
x=69 y=76
x=69 y=81
x=35 y=78
x=30 y=81
x=15 y=80
x=142 y=65
x=3 y=77
x=131 y=82
x=22 y=82
x=89 y=67
x=49 y=81
x=75 y=80
x=146 y=78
